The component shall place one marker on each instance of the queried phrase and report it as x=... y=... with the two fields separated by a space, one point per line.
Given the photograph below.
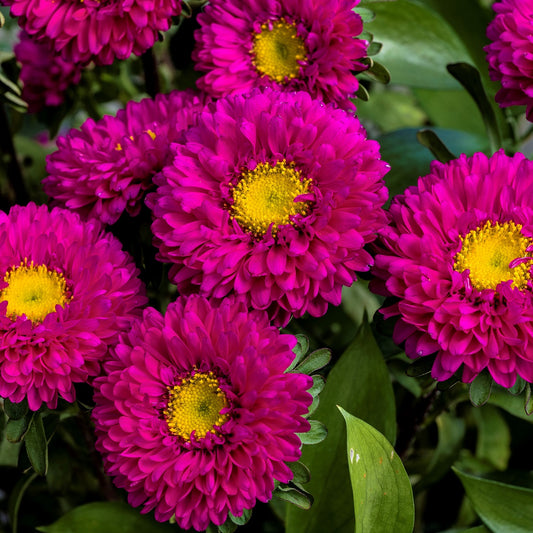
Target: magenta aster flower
x=196 y=416
x=95 y=30
x=510 y=54
x=288 y=45
x=45 y=74
x=105 y=167
x=457 y=256
x=67 y=290
x=272 y=196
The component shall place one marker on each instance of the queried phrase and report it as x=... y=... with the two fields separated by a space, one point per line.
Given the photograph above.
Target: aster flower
x=272 y=196
x=67 y=290
x=196 y=416
x=94 y=30
x=457 y=256
x=105 y=167
x=288 y=45
x=45 y=74
x=510 y=53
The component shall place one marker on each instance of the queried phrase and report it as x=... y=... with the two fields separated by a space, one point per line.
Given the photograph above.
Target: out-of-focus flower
x=196 y=416
x=271 y=196
x=67 y=289
x=510 y=54
x=105 y=167
x=457 y=256
x=95 y=30
x=45 y=74
x=288 y=45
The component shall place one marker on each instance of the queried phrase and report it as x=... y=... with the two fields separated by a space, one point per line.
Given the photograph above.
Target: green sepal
x=480 y=389
x=302 y=474
x=293 y=493
x=313 y=362
x=243 y=519
x=16 y=429
x=299 y=350
x=367 y=15
x=316 y=434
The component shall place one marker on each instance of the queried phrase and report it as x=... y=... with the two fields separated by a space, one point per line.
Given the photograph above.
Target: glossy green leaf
x=111 y=517
x=503 y=508
x=36 y=445
x=382 y=494
x=417 y=57
x=360 y=382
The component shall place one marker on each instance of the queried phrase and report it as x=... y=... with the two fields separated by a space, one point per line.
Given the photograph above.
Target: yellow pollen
x=151 y=133
x=277 y=51
x=34 y=291
x=266 y=195
x=118 y=147
x=488 y=251
x=194 y=406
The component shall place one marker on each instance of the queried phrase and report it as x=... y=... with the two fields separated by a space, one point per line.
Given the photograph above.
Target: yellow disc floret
x=34 y=291
x=277 y=51
x=194 y=406
x=488 y=251
x=266 y=195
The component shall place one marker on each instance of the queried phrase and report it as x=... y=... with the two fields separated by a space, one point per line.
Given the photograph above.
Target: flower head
x=272 y=196
x=67 y=289
x=458 y=257
x=45 y=74
x=288 y=45
x=196 y=415
x=88 y=30
x=510 y=53
x=105 y=167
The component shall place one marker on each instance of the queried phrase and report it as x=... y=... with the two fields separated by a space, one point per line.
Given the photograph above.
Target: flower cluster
x=272 y=197
x=95 y=31
x=67 y=289
x=510 y=53
x=457 y=258
x=287 y=45
x=196 y=416
x=45 y=74
x=104 y=168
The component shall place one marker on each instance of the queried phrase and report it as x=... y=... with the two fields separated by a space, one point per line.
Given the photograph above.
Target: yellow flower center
x=34 y=291
x=194 y=406
x=277 y=49
x=487 y=253
x=266 y=195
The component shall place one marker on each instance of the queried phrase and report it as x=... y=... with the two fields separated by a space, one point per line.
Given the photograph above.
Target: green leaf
x=313 y=362
x=470 y=79
x=16 y=429
x=301 y=473
x=367 y=15
x=15 y=498
x=494 y=438
x=36 y=445
x=111 y=517
x=418 y=56
x=511 y=403
x=451 y=435
x=361 y=382
x=431 y=140
x=382 y=494
x=319 y=382
x=480 y=389
x=503 y=508
x=15 y=411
